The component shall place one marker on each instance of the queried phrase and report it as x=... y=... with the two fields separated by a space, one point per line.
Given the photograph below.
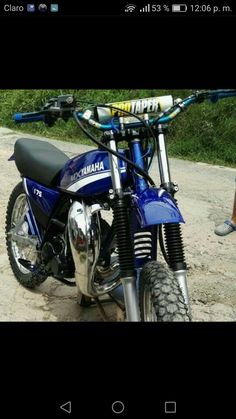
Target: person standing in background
x=229 y=225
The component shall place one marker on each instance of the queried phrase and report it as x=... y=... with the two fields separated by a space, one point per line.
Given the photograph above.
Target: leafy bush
x=206 y=132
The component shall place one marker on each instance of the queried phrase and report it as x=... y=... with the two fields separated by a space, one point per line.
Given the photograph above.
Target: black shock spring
x=174 y=246
x=123 y=236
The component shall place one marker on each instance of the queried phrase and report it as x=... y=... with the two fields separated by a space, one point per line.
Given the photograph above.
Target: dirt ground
x=205 y=199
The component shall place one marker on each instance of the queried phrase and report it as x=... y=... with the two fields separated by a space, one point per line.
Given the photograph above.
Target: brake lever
x=51 y=102
x=59 y=107
x=60 y=102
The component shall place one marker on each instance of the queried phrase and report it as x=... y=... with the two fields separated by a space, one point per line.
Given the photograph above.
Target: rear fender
x=155 y=206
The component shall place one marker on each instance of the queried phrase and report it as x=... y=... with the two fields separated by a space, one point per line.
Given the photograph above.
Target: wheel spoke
x=20 y=226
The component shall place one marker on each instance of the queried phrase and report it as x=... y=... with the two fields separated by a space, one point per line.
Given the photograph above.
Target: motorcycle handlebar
x=215 y=95
x=212 y=95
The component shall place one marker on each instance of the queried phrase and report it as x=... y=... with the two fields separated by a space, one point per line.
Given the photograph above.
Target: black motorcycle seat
x=39 y=160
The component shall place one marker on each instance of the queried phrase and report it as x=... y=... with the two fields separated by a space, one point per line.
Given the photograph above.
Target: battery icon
x=179 y=7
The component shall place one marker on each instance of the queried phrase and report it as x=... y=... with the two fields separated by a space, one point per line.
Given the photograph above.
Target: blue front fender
x=155 y=206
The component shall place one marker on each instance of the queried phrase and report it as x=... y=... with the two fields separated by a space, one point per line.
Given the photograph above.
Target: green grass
x=205 y=132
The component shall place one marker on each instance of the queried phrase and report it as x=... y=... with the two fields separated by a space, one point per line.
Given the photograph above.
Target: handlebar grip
x=29 y=117
x=215 y=95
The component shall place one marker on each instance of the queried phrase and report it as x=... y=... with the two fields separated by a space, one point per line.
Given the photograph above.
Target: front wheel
x=161 y=299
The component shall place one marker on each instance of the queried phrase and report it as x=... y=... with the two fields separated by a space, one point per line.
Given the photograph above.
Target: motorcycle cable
x=148 y=127
x=145 y=124
x=104 y=147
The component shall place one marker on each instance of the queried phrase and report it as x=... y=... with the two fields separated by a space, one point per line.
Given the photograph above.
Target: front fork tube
x=181 y=277
x=131 y=299
x=124 y=239
x=173 y=237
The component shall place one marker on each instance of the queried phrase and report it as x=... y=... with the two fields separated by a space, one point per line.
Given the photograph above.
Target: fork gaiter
x=123 y=236
x=174 y=246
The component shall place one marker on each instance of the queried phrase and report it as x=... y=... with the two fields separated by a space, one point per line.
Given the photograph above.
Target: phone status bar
x=111 y=9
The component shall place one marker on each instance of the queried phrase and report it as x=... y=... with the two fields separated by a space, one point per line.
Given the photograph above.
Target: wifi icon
x=130 y=7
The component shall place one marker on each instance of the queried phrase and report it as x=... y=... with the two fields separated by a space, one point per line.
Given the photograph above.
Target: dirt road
x=205 y=199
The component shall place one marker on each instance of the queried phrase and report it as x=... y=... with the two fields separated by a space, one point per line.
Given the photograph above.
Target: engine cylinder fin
x=143 y=244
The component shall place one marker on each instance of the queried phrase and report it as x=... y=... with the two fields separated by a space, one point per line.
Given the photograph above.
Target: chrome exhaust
x=85 y=240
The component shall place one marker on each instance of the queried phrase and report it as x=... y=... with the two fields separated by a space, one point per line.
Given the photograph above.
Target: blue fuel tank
x=89 y=173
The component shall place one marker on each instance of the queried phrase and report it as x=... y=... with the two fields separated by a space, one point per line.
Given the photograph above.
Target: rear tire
x=17 y=202
x=160 y=296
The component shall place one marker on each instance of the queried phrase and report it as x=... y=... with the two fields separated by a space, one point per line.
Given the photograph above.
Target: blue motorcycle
x=56 y=223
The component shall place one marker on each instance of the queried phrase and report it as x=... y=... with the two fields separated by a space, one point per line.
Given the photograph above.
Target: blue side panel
x=45 y=198
x=32 y=223
x=89 y=173
x=156 y=206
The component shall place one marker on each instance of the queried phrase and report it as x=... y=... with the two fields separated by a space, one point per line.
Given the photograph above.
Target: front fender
x=155 y=206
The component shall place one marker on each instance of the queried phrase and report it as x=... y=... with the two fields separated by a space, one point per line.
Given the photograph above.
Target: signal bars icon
x=146 y=8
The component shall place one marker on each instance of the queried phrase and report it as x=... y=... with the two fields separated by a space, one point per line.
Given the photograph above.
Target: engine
x=57 y=258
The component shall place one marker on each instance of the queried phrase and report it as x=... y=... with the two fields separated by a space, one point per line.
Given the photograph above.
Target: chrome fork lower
x=181 y=277
x=131 y=299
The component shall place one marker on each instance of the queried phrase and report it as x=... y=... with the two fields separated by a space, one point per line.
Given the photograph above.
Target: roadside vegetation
x=205 y=132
